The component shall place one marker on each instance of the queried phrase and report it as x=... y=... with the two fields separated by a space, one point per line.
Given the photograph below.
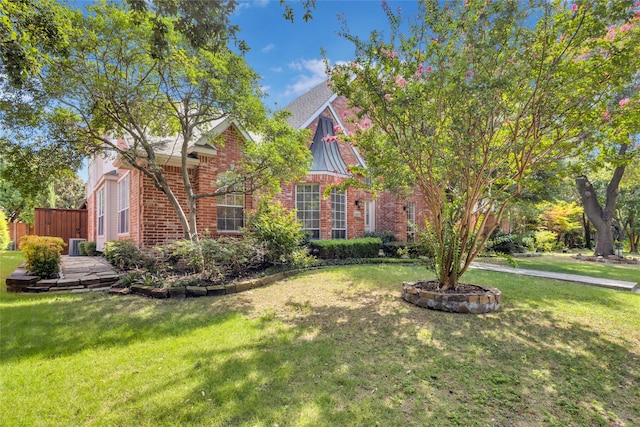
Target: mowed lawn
x=565 y=263
x=329 y=347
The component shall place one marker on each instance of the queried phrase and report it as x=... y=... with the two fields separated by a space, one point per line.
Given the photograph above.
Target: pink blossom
x=345 y=114
x=466 y=2
x=574 y=7
x=468 y=75
x=336 y=129
x=401 y=82
x=388 y=96
x=626 y=27
x=606 y=115
x=624 y=102
x=366 y=124
x=429 y=69
x=393 y=55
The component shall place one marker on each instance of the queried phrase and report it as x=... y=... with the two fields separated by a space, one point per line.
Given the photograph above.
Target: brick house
x=124 y=204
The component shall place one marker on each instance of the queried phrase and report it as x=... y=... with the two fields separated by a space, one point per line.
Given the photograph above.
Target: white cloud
x=276 y=69
x=313 y=74
x=268 y=48
x=246 y=4
x=265 y=88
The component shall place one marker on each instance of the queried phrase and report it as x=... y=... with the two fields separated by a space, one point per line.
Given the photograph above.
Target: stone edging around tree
x=487 y=302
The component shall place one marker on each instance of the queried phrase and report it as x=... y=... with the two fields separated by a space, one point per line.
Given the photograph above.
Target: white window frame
x=234 y=203
x=100 y=212
x=411 y=221
x=308 y=208
x=369 y=216
x=124 y=202
x=338 y=214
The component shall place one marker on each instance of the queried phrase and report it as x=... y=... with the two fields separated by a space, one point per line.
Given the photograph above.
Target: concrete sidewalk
x=620 y=285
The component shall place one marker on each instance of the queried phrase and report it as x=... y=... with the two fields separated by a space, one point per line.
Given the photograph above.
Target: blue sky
x=288 y=55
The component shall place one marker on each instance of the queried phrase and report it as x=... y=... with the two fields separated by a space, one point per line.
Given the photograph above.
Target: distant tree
x=476 y=99
x=561 y=218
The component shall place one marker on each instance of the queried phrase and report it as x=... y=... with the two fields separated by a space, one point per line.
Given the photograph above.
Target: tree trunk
x=587 y=232
x=599 y=217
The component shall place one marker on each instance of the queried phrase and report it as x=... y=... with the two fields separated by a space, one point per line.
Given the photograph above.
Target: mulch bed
x=462 y=288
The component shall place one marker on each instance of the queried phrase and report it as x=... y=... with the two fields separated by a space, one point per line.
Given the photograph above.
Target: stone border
x=21 y=281
x=205 y=291
x=487 y=302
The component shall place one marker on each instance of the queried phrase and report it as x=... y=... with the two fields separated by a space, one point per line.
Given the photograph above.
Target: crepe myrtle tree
x=117 y=80
x=474 y=99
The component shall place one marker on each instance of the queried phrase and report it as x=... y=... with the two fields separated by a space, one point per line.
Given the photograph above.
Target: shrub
x=365 y=247
x=385 y=236
x=42 y=254
x=123 y=254
x=277 y=230
x=4 y=232
x=90 y=248
x=501 y=242
x=217 y=259
x=394 y=249
x=82 y=248
x=545 y=240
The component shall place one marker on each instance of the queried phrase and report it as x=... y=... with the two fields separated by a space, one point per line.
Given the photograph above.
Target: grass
x=564 y=263
x=328 y=347
x=9 y=260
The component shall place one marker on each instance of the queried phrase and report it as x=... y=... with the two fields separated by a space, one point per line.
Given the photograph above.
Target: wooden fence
x=17 y=230
x=64 y=223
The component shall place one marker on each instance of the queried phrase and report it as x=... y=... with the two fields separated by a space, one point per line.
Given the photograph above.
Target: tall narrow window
x=308 y=208
x=231 y=212
x=369 y=216
x=411 y=221
x=100 y=212
x=338 y=215
x=123 y=205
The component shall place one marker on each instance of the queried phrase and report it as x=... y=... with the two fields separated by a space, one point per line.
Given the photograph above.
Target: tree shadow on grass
x=61 y=325
x=371 y=358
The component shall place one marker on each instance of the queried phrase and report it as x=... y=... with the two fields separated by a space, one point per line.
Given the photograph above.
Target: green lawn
x=564 y=263
x=9 y=260
x=329 y=347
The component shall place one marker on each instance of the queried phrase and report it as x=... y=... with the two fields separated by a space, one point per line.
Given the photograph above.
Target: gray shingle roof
x=304 y=106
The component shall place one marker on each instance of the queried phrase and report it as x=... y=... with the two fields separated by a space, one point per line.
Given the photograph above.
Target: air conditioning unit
x=74 y=250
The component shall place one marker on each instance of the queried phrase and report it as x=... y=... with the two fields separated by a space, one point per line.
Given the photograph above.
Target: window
x=231 y=212
x=100 y=212
x=123 y=205
x=411 y=221
x=308 y=207
x=369 y=216
x=338 y=215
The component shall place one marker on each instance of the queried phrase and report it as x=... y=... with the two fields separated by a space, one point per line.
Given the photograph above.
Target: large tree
x=476 y=98
x=616 y=147
x=119 y=78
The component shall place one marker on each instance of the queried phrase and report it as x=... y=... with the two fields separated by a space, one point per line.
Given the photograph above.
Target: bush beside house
x=42 y=255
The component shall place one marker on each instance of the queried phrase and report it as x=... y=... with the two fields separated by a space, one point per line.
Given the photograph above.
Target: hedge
x=366 y=247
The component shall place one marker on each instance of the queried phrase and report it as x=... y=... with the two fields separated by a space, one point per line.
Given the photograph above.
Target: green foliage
x=413 y=250
x=545 y=241
x=4 y=232
x=278 y=230
x=216 y=259
x=386 y=236
x=124 y=254
x=436 y=107
x=42 y=254
x=501 y=242
x=90 y=248
x=365 y=247
x=82 y=249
